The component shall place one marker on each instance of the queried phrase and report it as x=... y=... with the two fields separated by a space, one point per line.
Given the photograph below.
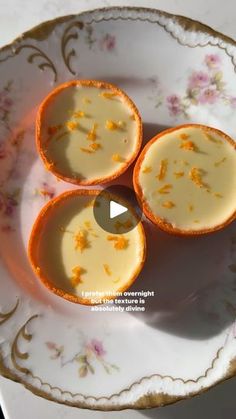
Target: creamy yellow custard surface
x=89 y=133
x=76 y=255
x=188 y=178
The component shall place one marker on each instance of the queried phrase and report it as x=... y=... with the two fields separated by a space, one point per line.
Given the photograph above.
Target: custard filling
x=88 y=132
x=76 y=255
x=188 y=178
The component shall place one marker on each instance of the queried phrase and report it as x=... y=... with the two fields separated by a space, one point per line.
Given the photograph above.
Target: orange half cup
x=186 y=142
x=92 y=137
x=73 y=256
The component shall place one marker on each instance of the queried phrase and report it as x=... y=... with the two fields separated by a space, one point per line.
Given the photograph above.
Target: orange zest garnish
x=120 y=242
x=162 y=170
x=77 y=271
x=81 y=241
x=168 y=204
x=108 y=95
x=188 y=145
x=71 y=125
x=147 y=169
x=95 y=146
x=184 y=136
x=86 y=150
x=107 y=269
x=90 y=229
x=195 y=175
x=165 y=189
x=125 y=224
x=219 y=162
x=117 y=158
x=178 y=174
x=49 y=165
x=111 y=125
x=92 y=135
x=79 y=114
x=218 y=195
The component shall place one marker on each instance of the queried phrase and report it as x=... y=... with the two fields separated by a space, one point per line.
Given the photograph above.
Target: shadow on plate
x=188 y=278
x=217 y=403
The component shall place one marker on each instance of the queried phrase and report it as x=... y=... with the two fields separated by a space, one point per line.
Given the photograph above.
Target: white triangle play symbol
x=116 y=209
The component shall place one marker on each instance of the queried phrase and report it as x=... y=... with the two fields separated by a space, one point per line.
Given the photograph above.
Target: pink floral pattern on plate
x=8 y=205
x=6 y=104
x=10 y=144
x=92 y=352
x=106 y=42
x=46 y=191
x=205 y=87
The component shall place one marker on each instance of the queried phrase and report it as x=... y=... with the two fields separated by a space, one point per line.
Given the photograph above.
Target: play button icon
x=116 y=209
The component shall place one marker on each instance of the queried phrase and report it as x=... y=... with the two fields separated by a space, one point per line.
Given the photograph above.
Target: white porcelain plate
x=176 y=70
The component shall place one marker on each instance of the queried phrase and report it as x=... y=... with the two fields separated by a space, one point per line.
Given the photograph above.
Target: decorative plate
x=176 y=70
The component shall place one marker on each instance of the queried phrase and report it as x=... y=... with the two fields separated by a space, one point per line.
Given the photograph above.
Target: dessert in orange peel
x=88 y=132
x=185 y=179
x=75 y=258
